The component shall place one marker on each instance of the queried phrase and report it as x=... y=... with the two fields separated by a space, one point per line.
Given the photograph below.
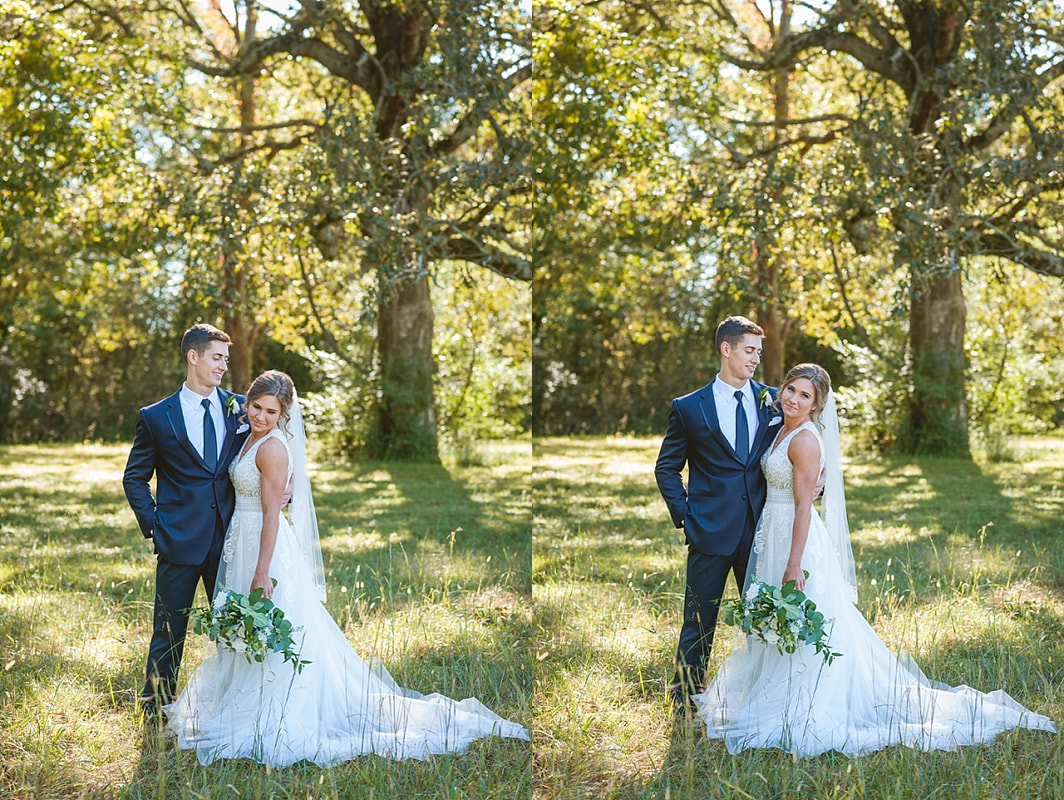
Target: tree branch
x=188 y=17
x=881 y=33
x=356 y=66
x=804 y=141
x=206 y=165
x=109 y=13
x=858 y=328
x=895 y=67
x=779 y=123
x=464 y=246
x=480 y=111
x=253 y=128
x=748 y=21
x=1015 y=106
x=1004 y=244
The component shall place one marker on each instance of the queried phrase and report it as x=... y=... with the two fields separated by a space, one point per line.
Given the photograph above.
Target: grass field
x=961 y=564
x=428 y=570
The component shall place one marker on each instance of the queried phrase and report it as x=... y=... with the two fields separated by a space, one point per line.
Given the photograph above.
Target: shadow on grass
x=381 y=518
x=71 y=536
x=36 y=654
x=920 y=534
x=688 y=764
x=906 y=516
x=947 y=507
x=378 y=519
x=453 y=667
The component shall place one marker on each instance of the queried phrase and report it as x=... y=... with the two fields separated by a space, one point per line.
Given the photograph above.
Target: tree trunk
x=406 y=406
x=771 y=346
x=243 y=335
x=766 y=286
x=938 y=405
x=767 y=266
x=239 y=320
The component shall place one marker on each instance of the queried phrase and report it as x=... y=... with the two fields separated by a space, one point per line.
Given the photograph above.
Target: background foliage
x=771 y=159
x=164 y=165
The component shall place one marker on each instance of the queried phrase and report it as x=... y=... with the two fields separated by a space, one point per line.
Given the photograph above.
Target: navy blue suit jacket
x=191 y=499
x=722 y=492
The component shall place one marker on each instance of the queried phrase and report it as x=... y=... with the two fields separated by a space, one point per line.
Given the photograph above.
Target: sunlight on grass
x=429 y=575
x=880 y=534
x=958 y=566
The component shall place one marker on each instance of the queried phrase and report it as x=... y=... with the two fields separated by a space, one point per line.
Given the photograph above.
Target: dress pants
x=707 y=576
x=175 y=592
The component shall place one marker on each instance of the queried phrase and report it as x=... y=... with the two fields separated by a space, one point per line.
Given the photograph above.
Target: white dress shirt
x=724 y=397
x=192 y=410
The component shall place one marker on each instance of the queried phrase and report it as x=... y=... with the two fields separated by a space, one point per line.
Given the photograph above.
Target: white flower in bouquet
x=250 y=625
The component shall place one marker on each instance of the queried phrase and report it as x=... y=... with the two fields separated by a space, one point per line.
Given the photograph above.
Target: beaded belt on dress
x=249 y=503
x=779 y=496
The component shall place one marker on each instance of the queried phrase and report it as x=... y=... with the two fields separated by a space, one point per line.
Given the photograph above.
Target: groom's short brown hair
x=199 y=336
x=733 y=329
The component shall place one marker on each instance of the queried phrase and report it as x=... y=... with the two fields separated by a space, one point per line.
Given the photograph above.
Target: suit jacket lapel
x=708 y=405
x=176 y=414
x=764 y=414
x=230 y=427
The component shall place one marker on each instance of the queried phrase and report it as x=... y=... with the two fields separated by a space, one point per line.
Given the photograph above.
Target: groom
x=187 y=441
x=720 y=433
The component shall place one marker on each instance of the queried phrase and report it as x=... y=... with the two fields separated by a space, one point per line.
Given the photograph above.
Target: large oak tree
x=407 y=148
x=953 y=113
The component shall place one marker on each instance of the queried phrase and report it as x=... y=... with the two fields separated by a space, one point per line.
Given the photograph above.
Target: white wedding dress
x=337 y=708
x=867 y=699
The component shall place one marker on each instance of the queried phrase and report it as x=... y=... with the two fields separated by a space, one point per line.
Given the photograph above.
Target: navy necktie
x=742 y=429
x=210 y=437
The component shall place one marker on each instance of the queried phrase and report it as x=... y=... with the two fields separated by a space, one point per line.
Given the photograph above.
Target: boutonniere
x=764 y=397
x=232 y=405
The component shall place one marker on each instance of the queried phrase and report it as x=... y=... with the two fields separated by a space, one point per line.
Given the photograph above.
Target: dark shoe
x=682 y=704
x=152 y=714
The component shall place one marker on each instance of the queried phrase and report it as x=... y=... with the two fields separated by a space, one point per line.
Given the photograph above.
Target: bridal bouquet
x=779 y=615
x=248 y=624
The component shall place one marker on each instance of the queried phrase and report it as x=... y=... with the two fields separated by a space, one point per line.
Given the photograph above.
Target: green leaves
x=248 y=624
x=779 y=615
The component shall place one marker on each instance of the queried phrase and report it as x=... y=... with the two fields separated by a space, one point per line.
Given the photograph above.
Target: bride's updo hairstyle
x=275 y=384
x=816 y=375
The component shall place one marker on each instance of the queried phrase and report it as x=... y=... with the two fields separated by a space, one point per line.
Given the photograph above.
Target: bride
x=866 y=699
x=336 y=708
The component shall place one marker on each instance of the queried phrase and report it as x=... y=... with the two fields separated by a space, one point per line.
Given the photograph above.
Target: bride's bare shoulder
x=272 y=452
x=804 y=446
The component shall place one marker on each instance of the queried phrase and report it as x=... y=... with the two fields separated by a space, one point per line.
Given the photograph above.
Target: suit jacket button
x=744 y=498
x=213 y=505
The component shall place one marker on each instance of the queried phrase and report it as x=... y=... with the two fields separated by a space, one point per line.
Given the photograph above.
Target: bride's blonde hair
x=816 y=375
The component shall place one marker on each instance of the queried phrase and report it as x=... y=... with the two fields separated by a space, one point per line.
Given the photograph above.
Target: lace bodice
x=241 y=547
x=245 y=475
x=779 y=472
x=772 y=539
